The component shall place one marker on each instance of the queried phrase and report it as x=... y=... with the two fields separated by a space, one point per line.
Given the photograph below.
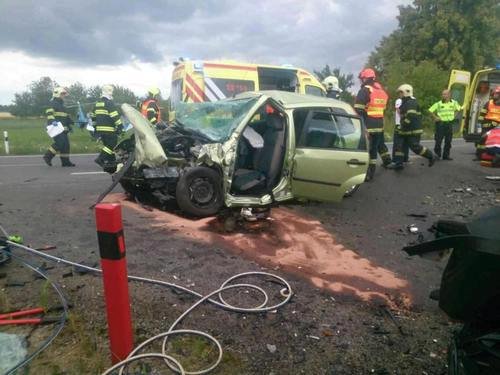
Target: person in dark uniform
x=108 y=124
x=56 y=113
x=410 y=130
x=331 y=84
x=370 y=104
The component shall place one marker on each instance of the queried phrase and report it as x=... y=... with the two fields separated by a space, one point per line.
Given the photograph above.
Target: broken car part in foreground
x=470 y=290
x=255 y=150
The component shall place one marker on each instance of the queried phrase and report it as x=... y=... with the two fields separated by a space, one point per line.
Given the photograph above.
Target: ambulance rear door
x=458 y=85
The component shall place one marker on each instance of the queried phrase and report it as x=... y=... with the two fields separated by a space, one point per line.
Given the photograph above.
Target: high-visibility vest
x=493 y=112
x=493 y=138
x=445 y=110
x=378 y=101
x=144 y=109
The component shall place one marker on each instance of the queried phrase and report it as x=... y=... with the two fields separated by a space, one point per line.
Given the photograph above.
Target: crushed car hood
x=148 y=150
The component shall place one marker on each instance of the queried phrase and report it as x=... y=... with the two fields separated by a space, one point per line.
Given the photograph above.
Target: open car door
x=330 y=155
x=458 y=85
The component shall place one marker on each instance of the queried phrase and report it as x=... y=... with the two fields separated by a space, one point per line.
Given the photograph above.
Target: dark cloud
x=91 y=32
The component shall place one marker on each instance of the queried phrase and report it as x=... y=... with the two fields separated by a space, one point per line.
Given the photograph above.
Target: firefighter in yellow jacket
x=108 y=124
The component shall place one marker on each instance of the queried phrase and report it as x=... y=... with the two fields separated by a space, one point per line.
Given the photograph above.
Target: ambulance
x=472 y=95
x=209 y=81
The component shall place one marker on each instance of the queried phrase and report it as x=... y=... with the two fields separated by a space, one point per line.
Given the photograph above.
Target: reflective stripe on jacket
x=106 y=116
x=378 y=101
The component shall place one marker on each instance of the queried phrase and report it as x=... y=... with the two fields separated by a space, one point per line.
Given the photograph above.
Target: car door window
x=322 y=128
x=351 y=132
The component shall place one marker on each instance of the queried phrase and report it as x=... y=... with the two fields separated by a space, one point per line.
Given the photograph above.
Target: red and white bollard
x=114 y=273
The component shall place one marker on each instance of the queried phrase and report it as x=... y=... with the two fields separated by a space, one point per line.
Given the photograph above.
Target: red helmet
x=367 y=73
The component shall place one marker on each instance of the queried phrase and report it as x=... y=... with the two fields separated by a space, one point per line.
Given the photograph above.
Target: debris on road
x=412 y=228
x=271 y=348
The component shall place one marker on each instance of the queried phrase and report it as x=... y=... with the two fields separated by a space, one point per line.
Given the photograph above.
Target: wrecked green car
x=254 y=150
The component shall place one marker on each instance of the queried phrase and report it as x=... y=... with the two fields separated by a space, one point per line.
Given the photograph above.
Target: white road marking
x=22 y=165
x=39 y=156
x=84 y=173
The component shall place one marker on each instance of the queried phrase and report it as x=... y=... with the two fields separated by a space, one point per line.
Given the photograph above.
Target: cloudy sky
x=133 y=43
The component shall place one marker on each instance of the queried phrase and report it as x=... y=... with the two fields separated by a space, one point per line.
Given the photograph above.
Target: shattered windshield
x=215 y=120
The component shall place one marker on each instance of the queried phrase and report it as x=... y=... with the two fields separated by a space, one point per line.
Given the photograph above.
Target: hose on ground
x=60 y=324
x=174 y=365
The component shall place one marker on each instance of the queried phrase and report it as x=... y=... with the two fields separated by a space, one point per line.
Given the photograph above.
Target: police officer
x=370 y=104
x=410 y=130
x=331 y=84
x=108 y=124
x=150 y=108
x=489 y=118
x=444 y=113
x=56 y=112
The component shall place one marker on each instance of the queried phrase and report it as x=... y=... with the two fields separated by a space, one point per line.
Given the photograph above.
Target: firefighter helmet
x=331 y=83
x=59 y=92
x=406 y=89
x=367 y=74
x=107 y=91
x=154 y=91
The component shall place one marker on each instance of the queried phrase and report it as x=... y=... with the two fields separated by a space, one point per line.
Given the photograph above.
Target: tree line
x=35 y=99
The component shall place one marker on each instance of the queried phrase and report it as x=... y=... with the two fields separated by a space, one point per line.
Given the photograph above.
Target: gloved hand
x=119 y=129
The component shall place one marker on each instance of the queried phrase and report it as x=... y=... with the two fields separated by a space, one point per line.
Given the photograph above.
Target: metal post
x=6 y=141
x=114 y=273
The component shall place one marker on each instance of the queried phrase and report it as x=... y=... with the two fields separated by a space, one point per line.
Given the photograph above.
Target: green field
x=28 y=136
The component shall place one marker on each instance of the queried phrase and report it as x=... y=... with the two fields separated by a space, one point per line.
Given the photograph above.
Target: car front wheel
x=199 y=192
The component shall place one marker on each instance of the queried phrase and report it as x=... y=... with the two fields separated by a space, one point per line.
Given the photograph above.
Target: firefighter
x=397 y=127
x=444 y=113
x=150 y=108
x=490 y=156
x=410 y=130
x=489 y=118
x=331 y=84
x=370 y=104
x=108 y=124
x=56 y=113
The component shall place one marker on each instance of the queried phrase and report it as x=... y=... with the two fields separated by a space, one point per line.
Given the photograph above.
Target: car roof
x=291 y=100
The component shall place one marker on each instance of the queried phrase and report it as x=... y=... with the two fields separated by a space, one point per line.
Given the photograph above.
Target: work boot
x=447 y=157
x=395 y=166
x=432 y=160
x=370 y=173
x=65 y=162
x=48 y=158
x=100 y=160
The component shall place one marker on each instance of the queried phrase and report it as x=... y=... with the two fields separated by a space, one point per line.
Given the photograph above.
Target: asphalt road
x=49 y=206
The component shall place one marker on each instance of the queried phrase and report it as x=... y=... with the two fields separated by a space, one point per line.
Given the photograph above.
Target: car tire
x=350 y=192
x=199 y=192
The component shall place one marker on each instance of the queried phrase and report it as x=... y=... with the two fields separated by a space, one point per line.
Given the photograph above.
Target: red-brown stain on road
x=297 y=244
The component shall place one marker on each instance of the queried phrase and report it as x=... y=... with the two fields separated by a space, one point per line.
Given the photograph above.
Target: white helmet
x=107 y=91
x=59 y=92
x=406 y=89
x=331 y=83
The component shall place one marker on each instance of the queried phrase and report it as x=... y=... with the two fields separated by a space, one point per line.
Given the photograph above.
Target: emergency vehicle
x=209 y=81
x=472 y=95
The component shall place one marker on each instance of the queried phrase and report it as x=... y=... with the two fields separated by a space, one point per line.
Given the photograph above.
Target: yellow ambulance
x=203 y=81
x=472 y=95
